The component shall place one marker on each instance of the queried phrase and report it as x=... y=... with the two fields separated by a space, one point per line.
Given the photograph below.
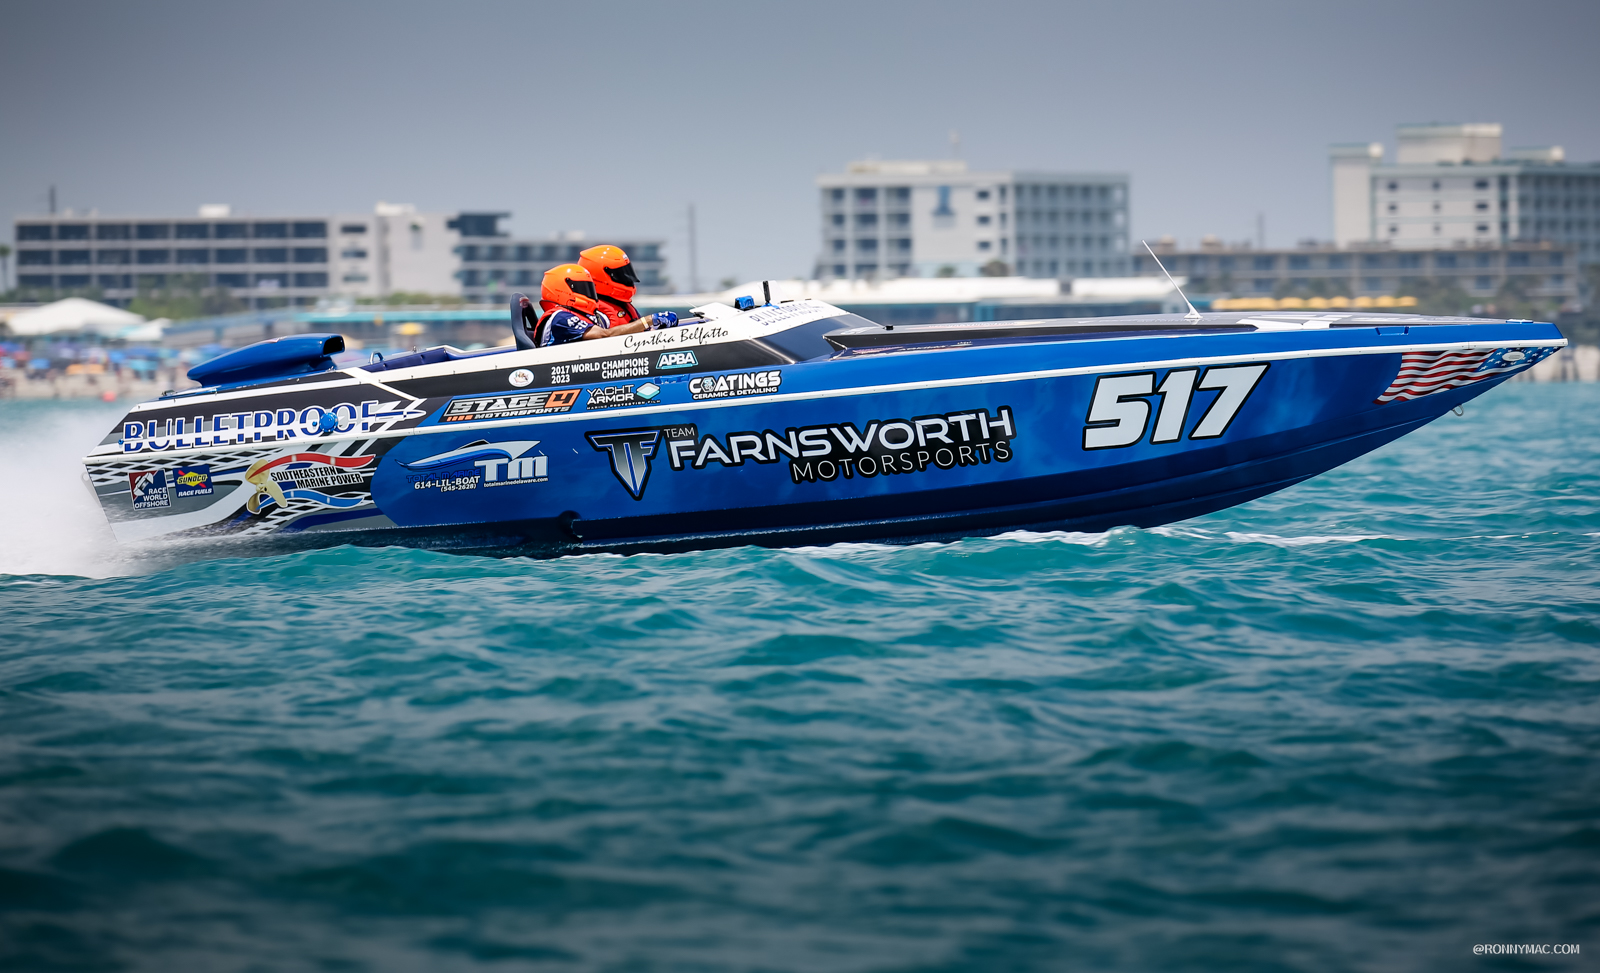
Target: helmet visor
x=584 y=287
x=623 y=275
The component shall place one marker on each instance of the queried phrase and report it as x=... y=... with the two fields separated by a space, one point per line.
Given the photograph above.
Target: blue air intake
x=299 y=354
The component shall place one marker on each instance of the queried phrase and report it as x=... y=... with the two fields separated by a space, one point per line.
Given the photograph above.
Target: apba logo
x=676 y=359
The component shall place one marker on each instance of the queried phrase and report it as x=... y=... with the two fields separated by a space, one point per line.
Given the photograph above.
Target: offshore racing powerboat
x=786 y=424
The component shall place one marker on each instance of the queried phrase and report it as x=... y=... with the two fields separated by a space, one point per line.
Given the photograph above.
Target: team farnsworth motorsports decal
x=821 y=453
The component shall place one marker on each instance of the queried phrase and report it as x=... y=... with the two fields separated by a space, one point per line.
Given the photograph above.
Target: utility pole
x=694 y=257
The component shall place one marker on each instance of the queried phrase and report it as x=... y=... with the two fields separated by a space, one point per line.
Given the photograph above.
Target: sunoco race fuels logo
x=820 y=453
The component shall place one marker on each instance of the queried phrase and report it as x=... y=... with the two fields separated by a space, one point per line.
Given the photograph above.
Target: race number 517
x=1122 y=406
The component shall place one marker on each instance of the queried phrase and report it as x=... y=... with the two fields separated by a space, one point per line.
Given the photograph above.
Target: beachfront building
x=297 y=261
x=1537 y=270
x=1456 y=185
x=883 y=220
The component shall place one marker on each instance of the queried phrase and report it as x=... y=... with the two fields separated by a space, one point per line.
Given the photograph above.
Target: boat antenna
x=1193 y=315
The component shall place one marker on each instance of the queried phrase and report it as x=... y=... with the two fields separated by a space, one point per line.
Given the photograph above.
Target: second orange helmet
x=612 y=271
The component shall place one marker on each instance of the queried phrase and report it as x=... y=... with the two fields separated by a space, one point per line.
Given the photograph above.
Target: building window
x=838 y=246
x=270 y=231
x=1556 y=259
x=1436 y=185
x=901 y=245
x=1394 y=187
x=69 y=257
x=943 y=209
x=899 y=195
x=866 y=270
x=1393 y=208
x=1263 y=263
x=196 y=256
x=1481 y=206
x=983 y=221
x=233 y=280
x=72 y=231
x=983 y=194
x=193 y=231
x=1485 y=260
x=1484 y=282
x=272 y=281
x=1481 y=228
x=866 y=220
x=232 y=231
x=148 y=281
x=1517 y=260
x=114 y=281
x=311 y=280
x=836 y=196
x=1339 y=261
x=155 y=256
x=840 y=270
x=1372 y=283
x=233 y=255
x=272 y=255
x=305 y=231
x=1556 y=280
x=1409 y=260
x=34 y=232
x=523 y=278
x=113 y=231
x=866 y=197
x=354 y=254
x=1299 y=263
x=1444 y=260
x=353 y=228
x=35 y=280
x=984 y=244
x=899 y=221
x=70 y=281
x=152 y=231
x=311 y=255
x=114 y=256
x=1263 y=285
x=1481 y=184
x=867 y=245
x=35 y=258
x=1393 y=229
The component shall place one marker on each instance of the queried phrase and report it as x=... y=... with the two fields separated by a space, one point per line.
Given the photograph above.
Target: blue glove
x=663 y=319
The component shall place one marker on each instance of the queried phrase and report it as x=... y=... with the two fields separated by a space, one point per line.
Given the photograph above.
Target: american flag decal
x=1425 y=372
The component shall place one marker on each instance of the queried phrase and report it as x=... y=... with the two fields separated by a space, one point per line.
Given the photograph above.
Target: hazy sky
x=612 y=117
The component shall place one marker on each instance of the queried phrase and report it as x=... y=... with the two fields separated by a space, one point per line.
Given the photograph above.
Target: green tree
x=183 y=296
x=995 y=268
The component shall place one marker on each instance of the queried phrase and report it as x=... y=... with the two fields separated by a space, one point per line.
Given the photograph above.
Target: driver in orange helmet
x=571 y=313
x=615 y=283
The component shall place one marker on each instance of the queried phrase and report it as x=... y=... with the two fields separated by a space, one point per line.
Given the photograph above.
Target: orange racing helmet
x=568 y=285
x=612 y=271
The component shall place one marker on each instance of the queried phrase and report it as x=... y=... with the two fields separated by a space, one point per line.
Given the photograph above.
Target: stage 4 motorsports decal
x=1120 y=409
x=818 y=453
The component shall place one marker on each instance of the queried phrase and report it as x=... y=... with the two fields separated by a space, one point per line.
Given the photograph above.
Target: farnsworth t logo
x=630 y=455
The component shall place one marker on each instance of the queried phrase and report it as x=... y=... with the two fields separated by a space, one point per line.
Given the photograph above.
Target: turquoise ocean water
x=1352 y=726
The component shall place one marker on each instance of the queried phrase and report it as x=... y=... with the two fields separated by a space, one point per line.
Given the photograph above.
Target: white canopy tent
x=75 y=314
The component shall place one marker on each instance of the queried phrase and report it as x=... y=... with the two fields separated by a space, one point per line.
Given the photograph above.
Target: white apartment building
x=1455 y=185
x=298 y=260
x=936 y=218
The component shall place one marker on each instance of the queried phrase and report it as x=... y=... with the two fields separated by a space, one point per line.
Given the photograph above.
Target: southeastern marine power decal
x=819 y=453
x=307 y=476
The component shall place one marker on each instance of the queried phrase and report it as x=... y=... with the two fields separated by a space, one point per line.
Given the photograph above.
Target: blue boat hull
x=898 y=443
